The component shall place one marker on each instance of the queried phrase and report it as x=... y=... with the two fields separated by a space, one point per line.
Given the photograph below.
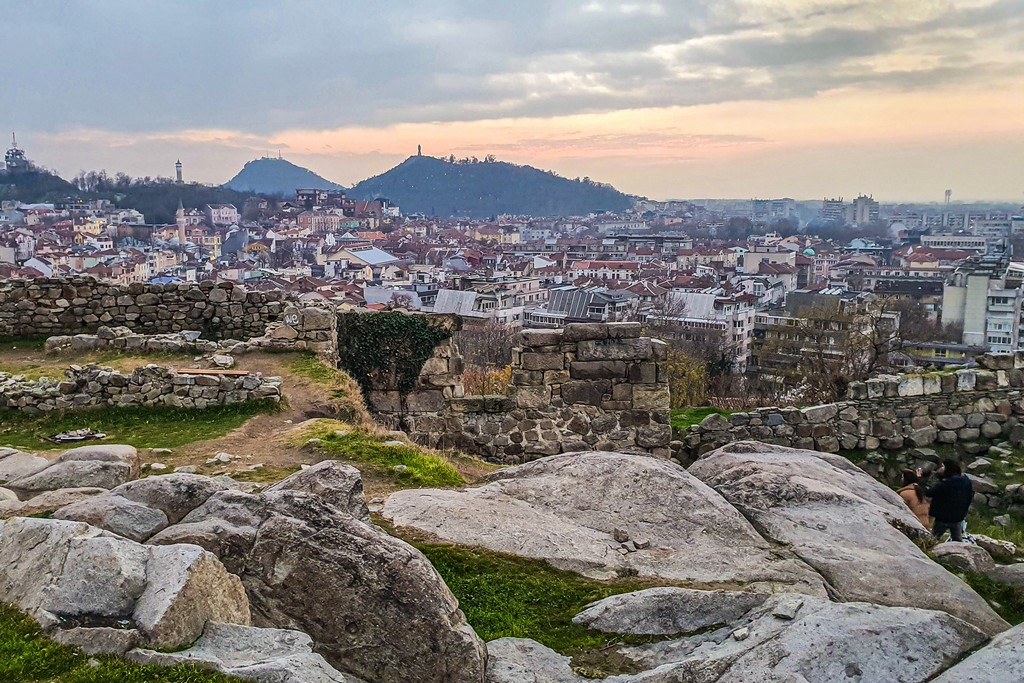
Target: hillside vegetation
x=439 y=187
x=278 y=177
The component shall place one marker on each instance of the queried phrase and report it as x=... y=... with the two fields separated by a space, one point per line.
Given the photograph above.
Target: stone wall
x=91 y=386
x=62 y=306
x=588 y=387
x=971 y=409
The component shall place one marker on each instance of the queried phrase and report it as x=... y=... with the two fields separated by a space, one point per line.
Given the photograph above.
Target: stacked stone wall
x=593 y=386
x=92 y=386
x=63 y=306
x=970 y=409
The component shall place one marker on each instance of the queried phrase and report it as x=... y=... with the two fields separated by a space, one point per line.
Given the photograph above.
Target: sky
x=901 y=99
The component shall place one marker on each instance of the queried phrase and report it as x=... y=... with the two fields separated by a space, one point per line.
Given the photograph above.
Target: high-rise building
x=863 y=211
x=985 y=295
x=832 y=211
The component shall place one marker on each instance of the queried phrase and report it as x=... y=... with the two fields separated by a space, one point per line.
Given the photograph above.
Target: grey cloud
x=262 y=66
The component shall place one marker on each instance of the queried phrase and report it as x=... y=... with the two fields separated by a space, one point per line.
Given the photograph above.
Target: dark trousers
x=954 y=529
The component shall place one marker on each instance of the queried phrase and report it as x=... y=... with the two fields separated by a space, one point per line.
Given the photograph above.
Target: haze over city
x=902 y=99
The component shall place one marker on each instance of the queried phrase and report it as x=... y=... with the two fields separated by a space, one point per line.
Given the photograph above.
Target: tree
x=824 y=347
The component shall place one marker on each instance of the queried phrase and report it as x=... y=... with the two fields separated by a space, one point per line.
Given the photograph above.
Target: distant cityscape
x=738 y=273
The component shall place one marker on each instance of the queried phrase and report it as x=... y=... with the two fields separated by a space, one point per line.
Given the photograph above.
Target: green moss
x=417 y=468
x=386 y=350
x=27 y=655
x=687 y=417
x=507 y=596
x=153 y=427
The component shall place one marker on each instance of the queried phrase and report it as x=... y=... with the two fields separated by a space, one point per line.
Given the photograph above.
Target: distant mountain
x=439 y=187
x=277 y=177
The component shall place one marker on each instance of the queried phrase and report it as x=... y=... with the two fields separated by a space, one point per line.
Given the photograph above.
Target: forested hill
x=35 y=187
x=277 y=177
x=443 y=187
x=156 y=198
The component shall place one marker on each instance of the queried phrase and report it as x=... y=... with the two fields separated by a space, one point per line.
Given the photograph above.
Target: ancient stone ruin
x=589 y=386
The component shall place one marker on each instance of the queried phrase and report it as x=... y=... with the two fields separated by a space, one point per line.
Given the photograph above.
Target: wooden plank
x=212 y=371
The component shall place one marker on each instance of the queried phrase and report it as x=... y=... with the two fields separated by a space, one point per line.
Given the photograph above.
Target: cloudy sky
x=680 y=98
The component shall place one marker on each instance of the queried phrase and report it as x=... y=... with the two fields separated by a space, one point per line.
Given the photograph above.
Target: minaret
x=179 y=218
x=177 y=172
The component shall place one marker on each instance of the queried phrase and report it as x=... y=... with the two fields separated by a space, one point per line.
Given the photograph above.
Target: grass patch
x=54 y=366
x=687 y=417
x=421 y=468
x=981 y=523
x=28 y=655
x=264 y=475
x=507 y=596
x=142 y=427
x=1007 y=601
x=345 y=392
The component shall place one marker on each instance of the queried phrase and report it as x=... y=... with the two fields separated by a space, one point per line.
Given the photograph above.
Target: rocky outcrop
x=607 y=514
x=373 y=605
x=267 y=655
x=852 y=530
x=336 y=483
x=102 y=467
x=14 y=464
x=803 y=638
x=520 y=660
x=1000 y=661
x=667 y=611
x=69 y=574
x=309 y=560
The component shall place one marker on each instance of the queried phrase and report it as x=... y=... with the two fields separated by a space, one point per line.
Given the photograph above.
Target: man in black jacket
x=951 y=499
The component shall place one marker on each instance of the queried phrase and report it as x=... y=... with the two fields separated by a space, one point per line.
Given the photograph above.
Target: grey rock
x=963 y=557
x=1001 y=661
x=127 y=455
x=824 y=642
x=100 y=577
x=850 y=528
x=373 y=605
x=1009 y=574
x=667 y=611
x=186 y=588
x=572 y=503
x=175 y=495
x=268 y=655
x=116 y=514
x=99 y=640
x=47 y=501
x=520 y=660
x=1001 y=551
x=15 y=465
x=72 y=474
x=337 y=484
x=8 y=496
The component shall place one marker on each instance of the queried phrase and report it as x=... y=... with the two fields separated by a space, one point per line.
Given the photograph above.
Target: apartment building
x=984 y=295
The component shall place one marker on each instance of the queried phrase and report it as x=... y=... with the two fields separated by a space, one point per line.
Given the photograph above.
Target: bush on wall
x=387 y=350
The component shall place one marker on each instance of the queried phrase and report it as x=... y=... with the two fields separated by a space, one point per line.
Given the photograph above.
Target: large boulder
x=853 y=530
x=374 y=606
x=606 y=514
x=68 y=574
x=804 y=638
x=72 y=474
x=175 y=494
x=964 y=557
x=335 y=482
x=1001 y=661
x=268 y=655
x=14 y=464
x=118 y=453
x=47 y=501
x=667 y=611
x=520 y=660
x=119 y=515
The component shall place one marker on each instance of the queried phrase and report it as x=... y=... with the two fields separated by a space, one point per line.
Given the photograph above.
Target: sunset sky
x=690 y=98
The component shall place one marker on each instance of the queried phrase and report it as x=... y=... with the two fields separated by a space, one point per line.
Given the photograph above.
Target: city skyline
x=791 y=98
